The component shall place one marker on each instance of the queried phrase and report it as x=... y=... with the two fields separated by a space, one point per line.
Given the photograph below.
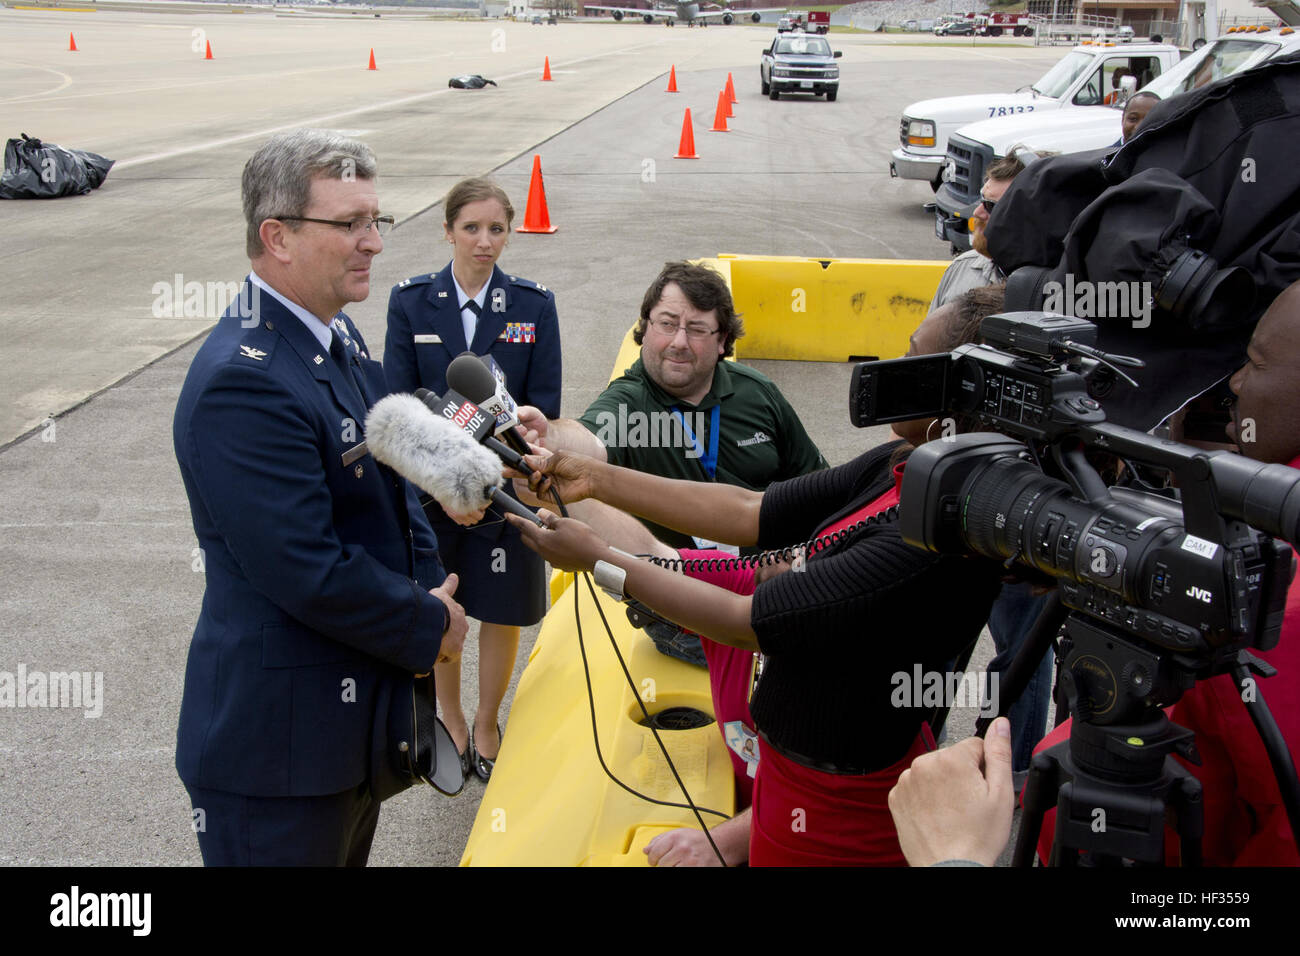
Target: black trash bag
x=36 y=170
x=469 y=81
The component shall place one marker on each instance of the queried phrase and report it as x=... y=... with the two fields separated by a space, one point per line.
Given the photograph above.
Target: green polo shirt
x=759 y=438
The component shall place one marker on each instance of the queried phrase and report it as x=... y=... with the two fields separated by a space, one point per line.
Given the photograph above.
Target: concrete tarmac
x=97 y=551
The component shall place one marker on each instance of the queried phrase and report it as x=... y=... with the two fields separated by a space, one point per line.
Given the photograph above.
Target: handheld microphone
x=473 y=420
x=473 y=377
x=437 y=456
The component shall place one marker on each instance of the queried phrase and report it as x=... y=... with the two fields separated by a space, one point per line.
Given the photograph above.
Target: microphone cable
x=595 y=732
x=752 y=562
x=631 y=683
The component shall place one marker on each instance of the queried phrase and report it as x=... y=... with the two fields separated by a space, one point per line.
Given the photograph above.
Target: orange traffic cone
x=672 y=80
x=726 y=103
x=72 y=43
x=686 y=149
x=720 y=114
x=537 y=218
x=372 y=60
x=546 y=69
x=207 y=53
x=731 y=90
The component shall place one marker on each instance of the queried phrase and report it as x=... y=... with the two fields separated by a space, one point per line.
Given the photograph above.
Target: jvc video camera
x=1162 y=592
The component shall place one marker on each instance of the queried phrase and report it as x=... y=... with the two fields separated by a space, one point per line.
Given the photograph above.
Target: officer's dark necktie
x=343 y=350
x=473 y=307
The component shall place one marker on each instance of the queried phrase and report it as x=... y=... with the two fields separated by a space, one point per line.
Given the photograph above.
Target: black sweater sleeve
x=793 y=510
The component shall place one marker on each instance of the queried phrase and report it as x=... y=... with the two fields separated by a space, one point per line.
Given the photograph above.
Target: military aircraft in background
x=688 y=11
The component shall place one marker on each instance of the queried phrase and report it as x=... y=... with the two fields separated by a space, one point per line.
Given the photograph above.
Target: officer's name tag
x=428 y=339
x=704 y=544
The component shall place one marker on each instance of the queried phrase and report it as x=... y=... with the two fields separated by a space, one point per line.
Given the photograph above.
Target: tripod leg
x=1040 y=792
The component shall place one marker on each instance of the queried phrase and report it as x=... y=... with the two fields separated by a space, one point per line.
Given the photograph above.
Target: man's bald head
x=1266 y=416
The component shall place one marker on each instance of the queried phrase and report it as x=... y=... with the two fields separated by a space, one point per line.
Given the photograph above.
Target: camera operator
x=1018 y=605
x=1245 y=821
x=833 y=630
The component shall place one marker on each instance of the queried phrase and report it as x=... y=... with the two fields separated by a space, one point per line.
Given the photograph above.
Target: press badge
x=704 y=544
x=744 y=742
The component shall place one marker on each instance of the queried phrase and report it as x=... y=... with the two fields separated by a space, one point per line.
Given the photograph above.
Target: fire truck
x=995 y=24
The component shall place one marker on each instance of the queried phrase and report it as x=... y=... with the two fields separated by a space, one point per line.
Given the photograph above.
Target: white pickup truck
x=973 y=147
x=1087 y=76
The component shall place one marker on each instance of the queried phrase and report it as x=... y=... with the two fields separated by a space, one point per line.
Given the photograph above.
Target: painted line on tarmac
x=330 y=117
x=67 y=80
x=260 y=77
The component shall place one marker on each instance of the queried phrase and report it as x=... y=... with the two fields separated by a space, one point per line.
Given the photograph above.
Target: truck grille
x=969 y=161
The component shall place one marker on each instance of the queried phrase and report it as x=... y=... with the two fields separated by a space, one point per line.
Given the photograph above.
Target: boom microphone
x=471 y=375
x=434 y=454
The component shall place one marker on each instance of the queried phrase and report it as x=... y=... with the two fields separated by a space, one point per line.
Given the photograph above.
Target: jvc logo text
x=1200 y=594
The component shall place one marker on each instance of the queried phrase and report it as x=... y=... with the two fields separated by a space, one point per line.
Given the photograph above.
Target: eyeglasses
x=668 y=329
x=988 y=204
x=356 y=227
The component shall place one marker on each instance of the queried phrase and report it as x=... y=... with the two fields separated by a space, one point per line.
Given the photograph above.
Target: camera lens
x=1000 y=499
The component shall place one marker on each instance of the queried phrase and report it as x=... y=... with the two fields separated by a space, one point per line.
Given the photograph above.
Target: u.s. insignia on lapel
x=249 y=352
x=318 y=360
x=442 y=295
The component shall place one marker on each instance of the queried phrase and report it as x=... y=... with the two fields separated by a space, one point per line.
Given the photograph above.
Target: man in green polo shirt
x=680 y=411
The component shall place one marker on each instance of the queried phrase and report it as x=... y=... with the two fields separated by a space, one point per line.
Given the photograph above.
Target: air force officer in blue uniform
x=317 y=611
x=432 y=318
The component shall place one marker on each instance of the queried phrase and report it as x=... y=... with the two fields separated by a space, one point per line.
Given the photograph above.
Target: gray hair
x=277 y=180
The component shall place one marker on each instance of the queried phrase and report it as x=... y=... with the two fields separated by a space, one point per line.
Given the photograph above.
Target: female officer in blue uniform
x=471 y=304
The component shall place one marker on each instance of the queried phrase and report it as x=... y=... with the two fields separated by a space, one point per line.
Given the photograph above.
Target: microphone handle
x=508 y=455
x=505 y=502
x=513 y=437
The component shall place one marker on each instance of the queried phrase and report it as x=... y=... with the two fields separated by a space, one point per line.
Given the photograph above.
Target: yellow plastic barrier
x=828 y=310
x=548 y=802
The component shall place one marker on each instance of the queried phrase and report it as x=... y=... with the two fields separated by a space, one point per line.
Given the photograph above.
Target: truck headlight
x=920 y=133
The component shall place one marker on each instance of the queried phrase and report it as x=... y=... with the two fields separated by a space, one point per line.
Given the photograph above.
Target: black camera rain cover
x=36 y=170
x=1227 y=149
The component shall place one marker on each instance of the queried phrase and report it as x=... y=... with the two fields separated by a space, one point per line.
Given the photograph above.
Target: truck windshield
x=1213 y=62
x=1061 y=77
x=803 y=46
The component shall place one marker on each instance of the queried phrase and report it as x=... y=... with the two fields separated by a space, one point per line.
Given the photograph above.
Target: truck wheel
x=995 y=31
x=1029 y=31
x=831 y=94
x=774 y=95
x=764 y=84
